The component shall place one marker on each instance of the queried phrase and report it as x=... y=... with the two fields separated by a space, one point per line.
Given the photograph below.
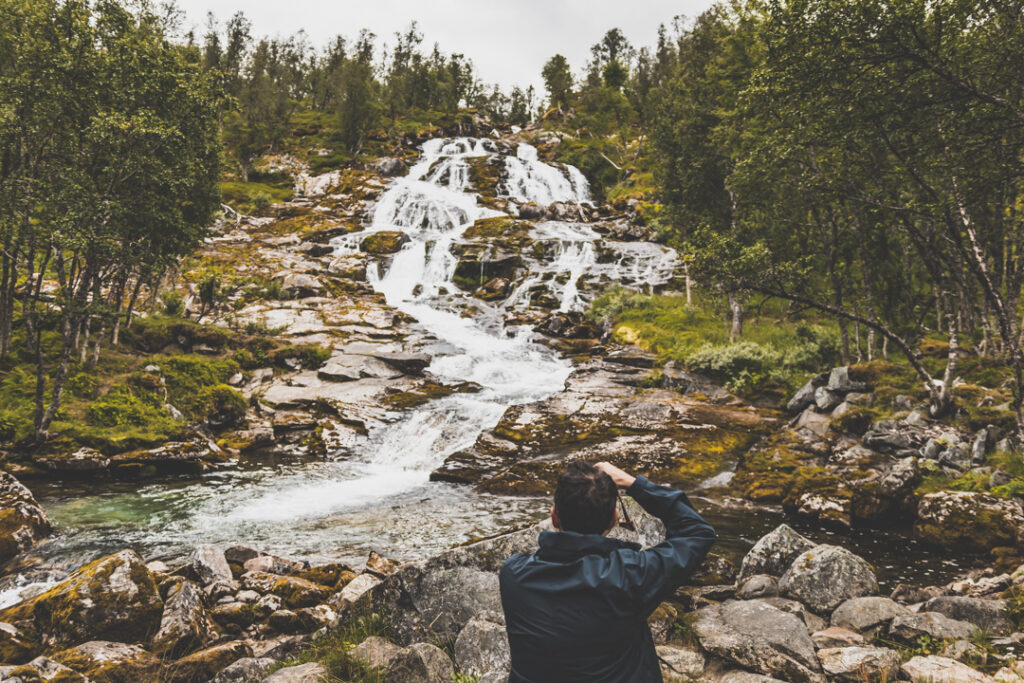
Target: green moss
x=424 y=393
x=222 y=404
x=247 y=197
x=332 y=649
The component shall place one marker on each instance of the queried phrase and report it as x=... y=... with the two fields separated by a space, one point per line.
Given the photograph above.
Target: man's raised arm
x=657 y=572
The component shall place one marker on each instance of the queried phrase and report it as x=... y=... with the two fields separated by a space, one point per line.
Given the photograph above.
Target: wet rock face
x=965 y=520
x=114 y=598
x=825 y=576
x=22 y=521
x=384 y=242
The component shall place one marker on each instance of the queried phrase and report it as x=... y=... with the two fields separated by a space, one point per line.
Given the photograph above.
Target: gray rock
x=758 y=586
x=494 y=677
x=863 y=614
x=911 y=626
x=407 y=363
x=957 y=456
x=987 y=615
x=886 y=441
x=746 y=677
x=826 y=399
x=811 y=620
x=42 y=669
x=680 y=664
x=774 y=552
x=482 y=647
x=25 y=521
x=185 y=625
x=757 y=636
x=979 y=447
x=336 y=372
x=814 y=422
x=375 y=652
x=389 y=167
x=303 y=673
x=941 y=670
x=421 y=663
x=857 y=664
x=804 y=398
x=354 y=590
x=825 y=576
x=245 y=670
x=301 y=286
x=209 y=565
x=931 y=449
x=839 y=380
x=836 y=636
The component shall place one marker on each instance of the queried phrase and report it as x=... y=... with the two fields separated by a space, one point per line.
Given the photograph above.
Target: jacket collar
x=566 y=546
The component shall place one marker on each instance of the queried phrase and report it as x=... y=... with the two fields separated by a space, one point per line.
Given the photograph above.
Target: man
x=577 y=609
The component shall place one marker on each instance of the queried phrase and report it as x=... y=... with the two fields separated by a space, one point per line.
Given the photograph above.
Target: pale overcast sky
x=507 y=41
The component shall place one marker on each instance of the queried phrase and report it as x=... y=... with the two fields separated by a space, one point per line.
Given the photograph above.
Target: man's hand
x=621 y=479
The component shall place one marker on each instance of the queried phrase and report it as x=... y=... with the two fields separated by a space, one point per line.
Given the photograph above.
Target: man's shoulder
x=514 y=561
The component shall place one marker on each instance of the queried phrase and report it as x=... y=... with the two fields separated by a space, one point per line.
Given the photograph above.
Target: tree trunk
x=736 y=330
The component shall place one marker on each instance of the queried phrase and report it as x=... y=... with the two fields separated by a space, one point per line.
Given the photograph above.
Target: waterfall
x=378 y=495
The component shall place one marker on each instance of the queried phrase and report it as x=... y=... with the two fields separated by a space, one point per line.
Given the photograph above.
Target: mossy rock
x=114 y=598
x=205 y=664
x=969 y=521
x=384 y=242
x=108 y=662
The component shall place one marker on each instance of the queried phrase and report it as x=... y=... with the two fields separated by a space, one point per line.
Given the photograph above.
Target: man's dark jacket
x=577 y=609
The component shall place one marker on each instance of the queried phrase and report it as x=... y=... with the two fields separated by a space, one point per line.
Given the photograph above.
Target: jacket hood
x=566 y=546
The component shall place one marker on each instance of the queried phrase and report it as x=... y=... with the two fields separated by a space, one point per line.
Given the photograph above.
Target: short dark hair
x=585 y=499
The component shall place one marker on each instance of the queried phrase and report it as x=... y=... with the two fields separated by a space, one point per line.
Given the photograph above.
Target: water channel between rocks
x=379 y=497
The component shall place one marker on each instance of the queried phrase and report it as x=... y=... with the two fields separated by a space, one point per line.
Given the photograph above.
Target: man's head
x=584 y=500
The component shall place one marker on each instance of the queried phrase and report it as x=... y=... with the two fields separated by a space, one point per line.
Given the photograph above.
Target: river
x=380 y=497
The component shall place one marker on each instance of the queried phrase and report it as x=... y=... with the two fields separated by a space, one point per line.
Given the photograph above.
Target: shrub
x=122 y=407
x=83 y=385
x=174 y=303
x=222 y=405
x=187 y=376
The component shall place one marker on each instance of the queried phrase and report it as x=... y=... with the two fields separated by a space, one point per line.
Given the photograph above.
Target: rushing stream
x=380 y=497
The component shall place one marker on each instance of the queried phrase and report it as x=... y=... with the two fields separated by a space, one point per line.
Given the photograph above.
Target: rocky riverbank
x=791 y=611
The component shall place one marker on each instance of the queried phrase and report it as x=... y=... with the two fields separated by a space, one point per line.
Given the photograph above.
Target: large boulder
x=482 y=646
x=313 y=672
x=910 y=627
x=205 y=664
x=389 y=167
x=22 y=520
x=185 y=624
x=679 y=665
x=295 y=592
x=209 y=565
x=825 y=576
x=987 y=615
x=864 y=614
x=114 y=598
x=384 y=242
x=757 y=636
x=969 y=521
x=245 y=670
x=375 y=652
x=774 y=552
x=107 y=662
x=421 y=663
x=935 y=669
x=858 y=664
x=41 y=669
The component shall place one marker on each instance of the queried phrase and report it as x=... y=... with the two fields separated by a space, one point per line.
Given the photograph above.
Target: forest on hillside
x=856 y=163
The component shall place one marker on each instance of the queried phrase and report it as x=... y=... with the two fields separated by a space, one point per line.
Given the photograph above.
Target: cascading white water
x=379 y=497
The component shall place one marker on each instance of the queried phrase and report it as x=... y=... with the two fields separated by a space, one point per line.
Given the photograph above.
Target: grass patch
x=775 y=352
x=253 y=197
x=332 y=650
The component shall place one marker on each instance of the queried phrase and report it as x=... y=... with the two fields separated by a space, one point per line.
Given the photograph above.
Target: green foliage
x=332 y=649
x=187 y=376
x=123 y=407
x=222 y=404
x=173 y=303
x=774 y=353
